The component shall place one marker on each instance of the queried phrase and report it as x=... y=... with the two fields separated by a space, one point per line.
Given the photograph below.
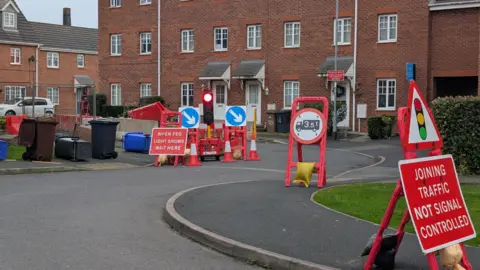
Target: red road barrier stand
x=430 y=186
x=308 y=126
x=13 y=123
x=168 y=141
x=238 y=139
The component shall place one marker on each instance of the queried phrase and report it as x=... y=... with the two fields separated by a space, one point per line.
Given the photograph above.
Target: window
x=116 y=45
x=53 y=95
x=254 y=36
x=115 y=3
x=8 y=19
x=145 y=2
x=145 y=43
x=53 y=60
x=145 y=89
x=290 y=92
x=80 y=60
x=221 y=39
x=343 y=32
x=116 y=94
x=187 y=94
x=386 y=89
x=40 y=102
x=15 y=56
x=187 y=40
x=14 y=92
x=387 y=28
x=292 y=34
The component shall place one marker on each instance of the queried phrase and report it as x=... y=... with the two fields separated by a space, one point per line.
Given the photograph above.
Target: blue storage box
x=3 y=150
x=136 y=142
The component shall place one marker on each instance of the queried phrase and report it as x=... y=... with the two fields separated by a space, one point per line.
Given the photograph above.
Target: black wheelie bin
x=104 y=133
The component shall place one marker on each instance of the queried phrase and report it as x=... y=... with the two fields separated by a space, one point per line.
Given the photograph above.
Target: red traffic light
x=207 y=97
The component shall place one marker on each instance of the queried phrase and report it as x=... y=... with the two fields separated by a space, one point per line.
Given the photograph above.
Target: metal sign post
x=334 y=116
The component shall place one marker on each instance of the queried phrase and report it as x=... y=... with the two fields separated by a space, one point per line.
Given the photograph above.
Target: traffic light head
x=207 y=101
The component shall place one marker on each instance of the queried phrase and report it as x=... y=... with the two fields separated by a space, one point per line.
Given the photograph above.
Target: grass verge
x=369 y=202
x=15 y=152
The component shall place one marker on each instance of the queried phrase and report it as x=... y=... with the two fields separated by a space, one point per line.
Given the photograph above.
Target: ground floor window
x=291 y=91
x=53 y=94
x=116 y=94
x=145 y=89
x=14 y=92
x=187 y=94
x=386 y=89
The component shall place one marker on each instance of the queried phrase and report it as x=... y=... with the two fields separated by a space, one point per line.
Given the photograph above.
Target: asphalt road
x=112 y=219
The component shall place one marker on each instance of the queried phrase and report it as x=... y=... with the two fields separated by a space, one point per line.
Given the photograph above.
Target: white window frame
x=115 y=44
x=388 y=107
x=52 y=93
x=294 y=84
x=256 y=31
x=389 y=26
x=188 y=87
x=81 y=57
x=115 y=3
x=117 y=87
x=17 y=91
x=223 y=36
x=292 y=35
x=341 y=23
x=16 y=52
x=145 y=89
x=51 y=57
x=145 y=40
x=187 y=37
x=9 y=19
x=145 y=2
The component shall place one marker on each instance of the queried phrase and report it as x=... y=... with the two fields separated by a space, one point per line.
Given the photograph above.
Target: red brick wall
x=62 y=77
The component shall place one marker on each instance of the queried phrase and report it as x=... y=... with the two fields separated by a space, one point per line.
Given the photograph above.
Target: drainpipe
x=36 y=70
x=354 y=109
x=158 y=49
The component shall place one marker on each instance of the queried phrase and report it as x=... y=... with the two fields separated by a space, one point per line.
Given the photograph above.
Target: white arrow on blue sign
x=190 y=117
x=236 y=116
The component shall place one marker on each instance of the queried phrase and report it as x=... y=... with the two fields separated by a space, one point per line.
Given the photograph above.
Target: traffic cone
x=227 y=155
x=193 y=160
x=253 y=155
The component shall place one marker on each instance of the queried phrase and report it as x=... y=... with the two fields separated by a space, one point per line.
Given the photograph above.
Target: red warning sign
x=435 y=202
x=168 y=141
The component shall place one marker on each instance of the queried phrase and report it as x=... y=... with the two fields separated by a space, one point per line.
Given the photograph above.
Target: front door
x=220 y=100
x=253 y=100
x=343 y=103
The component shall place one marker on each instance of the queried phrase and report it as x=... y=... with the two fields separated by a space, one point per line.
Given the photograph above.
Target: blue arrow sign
x=190 y=117
x=236 y=116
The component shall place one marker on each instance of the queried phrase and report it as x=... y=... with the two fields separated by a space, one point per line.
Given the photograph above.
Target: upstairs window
x=53 y=60
x=15 y=56
x=292 y=35
x=145 y=43
x=187 y=40
x=145 y=2
x=254 y=36
x=9 y=19
x=115 y=3
x=343 y=31
x=116 y=45
x=80 y=60
x=387 y=28
x=221 y=39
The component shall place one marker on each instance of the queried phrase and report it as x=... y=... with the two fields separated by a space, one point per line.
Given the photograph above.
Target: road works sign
x=308 y=126
x=190 y=117
x=435 y=202
x=422 y=130
x=168 y=141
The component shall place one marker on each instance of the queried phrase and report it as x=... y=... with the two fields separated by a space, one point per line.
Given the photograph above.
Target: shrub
x=149 y=100
x=115 y=111
x=3 y=122
x=380 y=127
x=341 y=112
x=458 y=123
x=101 y=99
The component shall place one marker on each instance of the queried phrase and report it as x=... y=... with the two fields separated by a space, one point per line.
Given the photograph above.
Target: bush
x=115 y=111
x=3 y=122
x=341 y=112
x=458 y=123
x=101 y=99
x=149 y=100
x=380 y=127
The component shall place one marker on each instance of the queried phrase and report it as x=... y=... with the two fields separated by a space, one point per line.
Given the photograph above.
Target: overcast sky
x=84 y=12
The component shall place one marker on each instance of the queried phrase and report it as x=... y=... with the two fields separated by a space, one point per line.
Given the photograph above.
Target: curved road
x=112 y=219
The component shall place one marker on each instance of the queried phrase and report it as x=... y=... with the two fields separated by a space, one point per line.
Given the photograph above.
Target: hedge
x=101 y=99
x=459 y=124
x=149 y=100
x=380 y=127
x=341 y=112
x=115 y=111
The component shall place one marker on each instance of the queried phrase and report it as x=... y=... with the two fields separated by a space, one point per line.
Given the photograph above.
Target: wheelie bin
x=104 y=133
x=38 y=137
x=283 y=121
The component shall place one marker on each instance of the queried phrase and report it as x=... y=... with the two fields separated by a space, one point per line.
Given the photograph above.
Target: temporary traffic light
x=207 y=101
x=420 y=118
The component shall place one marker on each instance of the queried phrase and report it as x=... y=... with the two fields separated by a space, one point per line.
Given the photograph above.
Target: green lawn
x=369 y=202
x=15 y=152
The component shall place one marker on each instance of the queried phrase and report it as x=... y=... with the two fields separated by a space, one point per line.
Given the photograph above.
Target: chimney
x=67 y=19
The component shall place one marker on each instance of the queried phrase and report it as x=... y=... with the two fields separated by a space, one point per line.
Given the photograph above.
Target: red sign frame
x=162 y=142
x=435 y=202
x=319 y=136
x=336 y=75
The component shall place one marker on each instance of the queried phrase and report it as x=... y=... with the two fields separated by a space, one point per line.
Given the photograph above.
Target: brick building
x=48 y=60
x=266 y=53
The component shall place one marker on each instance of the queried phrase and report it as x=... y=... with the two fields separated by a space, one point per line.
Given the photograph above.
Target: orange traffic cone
x=253 y=155
x=227 y=155
x=193 y=160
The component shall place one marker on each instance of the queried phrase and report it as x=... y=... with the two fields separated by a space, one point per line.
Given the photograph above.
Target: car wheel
x=10 y=113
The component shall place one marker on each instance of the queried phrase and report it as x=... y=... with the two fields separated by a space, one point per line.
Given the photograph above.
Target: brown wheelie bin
x=44 y=136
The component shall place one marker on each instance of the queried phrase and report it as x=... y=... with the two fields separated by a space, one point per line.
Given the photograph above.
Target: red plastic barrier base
x=13 y=124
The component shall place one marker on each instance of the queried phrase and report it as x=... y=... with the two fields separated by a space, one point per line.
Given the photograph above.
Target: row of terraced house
x=259 y=53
